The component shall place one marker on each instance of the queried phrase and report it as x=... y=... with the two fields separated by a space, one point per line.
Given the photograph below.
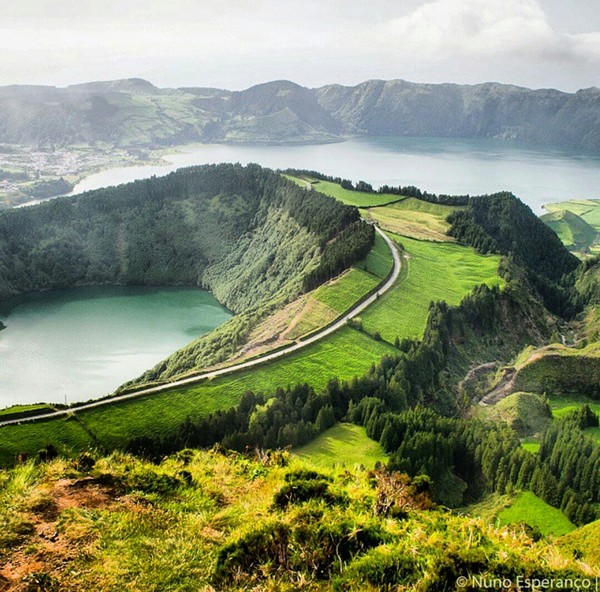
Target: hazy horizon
x=238 y=43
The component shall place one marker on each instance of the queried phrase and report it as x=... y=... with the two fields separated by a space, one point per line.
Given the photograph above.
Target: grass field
x=335 y=297
x=584 y=543
x=433 y=271
x=531 y=445
x=574 y=232
x=354 y=198
x=529 y=509
x=68 y=435
x=344 y=445
x=588 y=209
x=379 y=261
x=24 y=408
x=562 y=406
x=415 y=218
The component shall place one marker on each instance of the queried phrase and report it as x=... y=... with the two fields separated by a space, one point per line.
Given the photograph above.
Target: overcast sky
x=237 y=43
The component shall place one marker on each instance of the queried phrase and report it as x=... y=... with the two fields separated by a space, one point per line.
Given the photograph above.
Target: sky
x=235 y=44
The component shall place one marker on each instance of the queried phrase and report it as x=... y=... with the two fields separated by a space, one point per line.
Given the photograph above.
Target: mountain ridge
x=135 y=113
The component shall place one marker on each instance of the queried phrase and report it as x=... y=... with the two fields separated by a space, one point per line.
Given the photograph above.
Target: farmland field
x=344 y=445
x=359 y=199
x=530 y=509
x=415 y=218
x=403 y=311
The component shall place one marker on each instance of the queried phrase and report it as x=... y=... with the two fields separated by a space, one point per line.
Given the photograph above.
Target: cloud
x=486 y=28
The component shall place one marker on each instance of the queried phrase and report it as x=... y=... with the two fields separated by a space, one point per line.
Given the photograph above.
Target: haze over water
x=537 y=175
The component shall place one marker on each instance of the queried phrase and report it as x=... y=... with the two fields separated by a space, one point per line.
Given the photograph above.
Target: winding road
x=242 y=365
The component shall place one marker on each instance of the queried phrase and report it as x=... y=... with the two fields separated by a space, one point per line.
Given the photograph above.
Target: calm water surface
x=537 y=175
x=85 y=342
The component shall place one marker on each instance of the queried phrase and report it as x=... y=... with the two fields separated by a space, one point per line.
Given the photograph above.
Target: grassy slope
x=588 y=209
x=344 y=292
x=23 y=408
x=335 y=297
x=432 y=272
x=526 y=413
x=157 y=531
x=561 y=371
x=354 y=198
x=344 y=445
x=530 y=509
x=573 y=231
x=584 y=543
x=415 y=218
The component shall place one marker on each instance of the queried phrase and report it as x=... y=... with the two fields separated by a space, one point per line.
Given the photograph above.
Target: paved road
x=242 y=365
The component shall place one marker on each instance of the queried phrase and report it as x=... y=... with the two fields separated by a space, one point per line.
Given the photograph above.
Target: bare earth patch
x=48 y=551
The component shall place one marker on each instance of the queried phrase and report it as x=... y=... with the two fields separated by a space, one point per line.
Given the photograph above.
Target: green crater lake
x=83 y=343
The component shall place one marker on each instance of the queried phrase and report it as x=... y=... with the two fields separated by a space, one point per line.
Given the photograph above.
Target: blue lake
x=79 y=344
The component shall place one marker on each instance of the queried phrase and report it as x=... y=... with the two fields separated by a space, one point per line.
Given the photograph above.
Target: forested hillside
x=501 y=223
x=133 y=112
x=245 y=233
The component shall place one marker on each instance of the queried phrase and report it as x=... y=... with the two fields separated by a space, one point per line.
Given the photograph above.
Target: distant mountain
x=135 y=113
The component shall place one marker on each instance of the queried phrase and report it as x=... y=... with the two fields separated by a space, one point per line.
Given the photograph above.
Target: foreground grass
x=431 y=272
x=205 y=521
x=344 y=445
x=529 y=509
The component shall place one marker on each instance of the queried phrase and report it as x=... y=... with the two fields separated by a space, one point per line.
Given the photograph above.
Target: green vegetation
x=529 y=509
x=587 y=209
x=379 y=261
x=583 y=544
x=561 y=370
x=501 y=224
x=68 y=436
x=402 y=312
x=525 y=413
x=18 y=410
x=531 y=445
x=343 y=293
x=414 y=218
x=204 y=520
x=344 y=445
x=574 y=232
x=337 y=296
x=351 y=197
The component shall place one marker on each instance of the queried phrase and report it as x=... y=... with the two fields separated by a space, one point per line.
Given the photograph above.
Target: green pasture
x=415 y=218
x=344 y=445
x=359 y=199
x=529 y=509
x=430 y=272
